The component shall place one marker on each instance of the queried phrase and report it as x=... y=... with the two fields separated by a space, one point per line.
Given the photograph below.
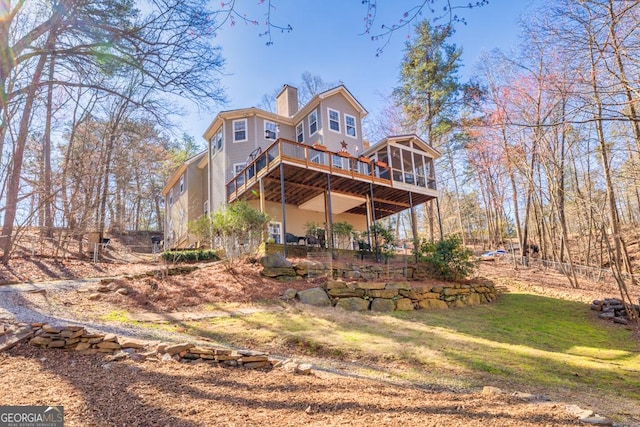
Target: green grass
x=525 y=341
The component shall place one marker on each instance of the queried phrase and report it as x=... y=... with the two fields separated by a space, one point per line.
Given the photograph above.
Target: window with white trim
x=350 y=126
x=240 y=130
x=182 y=184
x=216 y=142
x=205 y=208
x=300 y=132
x=334 y=120
x=171 y=197
x=313 y=122
x=237 y=168
x=270 y=130
x=275 y=232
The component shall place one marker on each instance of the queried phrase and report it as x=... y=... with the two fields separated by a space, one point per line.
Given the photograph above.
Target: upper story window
x=237 y=168
x=171 y=197
x=216 y=142
x=313 y=122
x=334 y=120
x=240 y=130
x=350 y=125
x=182 y=184
x=270 y=130
x=300 y=132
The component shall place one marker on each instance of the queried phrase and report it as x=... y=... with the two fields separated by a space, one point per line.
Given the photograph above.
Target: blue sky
x=325 y=41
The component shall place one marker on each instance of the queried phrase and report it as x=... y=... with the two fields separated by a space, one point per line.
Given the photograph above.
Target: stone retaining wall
x=77 y=338
x=404 y=296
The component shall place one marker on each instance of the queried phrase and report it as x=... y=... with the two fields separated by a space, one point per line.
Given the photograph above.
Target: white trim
x=274 y=130
x=279 y=235
x=313 y=112
x=346 y=126
x=329 y=111
x=182 y=184
x=246 y=130
x=236 y=170
x=301 y=133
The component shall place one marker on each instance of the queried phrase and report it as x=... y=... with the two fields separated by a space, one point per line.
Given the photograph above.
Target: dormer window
x=334 y=120
x=270 y=130
x=313 y=122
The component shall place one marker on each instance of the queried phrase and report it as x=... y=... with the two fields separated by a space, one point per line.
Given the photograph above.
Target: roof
x=306 y=109
x=412 y=136
x=183 y=167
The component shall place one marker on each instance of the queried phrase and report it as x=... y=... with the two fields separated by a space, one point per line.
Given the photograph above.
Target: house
x=301 y=165
x=185 y=200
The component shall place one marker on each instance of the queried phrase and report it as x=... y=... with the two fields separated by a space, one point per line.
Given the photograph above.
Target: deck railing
x=310 y=157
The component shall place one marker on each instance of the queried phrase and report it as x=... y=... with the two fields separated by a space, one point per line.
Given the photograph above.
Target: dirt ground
x=96 y=392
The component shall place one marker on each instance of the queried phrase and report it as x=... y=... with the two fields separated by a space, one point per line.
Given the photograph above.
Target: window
x=216 y=142
x=300 y=132
x=275 y=232
x=313 y=122
x=205 y=207
x=237 y=168
x=182 y=184
x=270 y=130
x=182 y=216
x=337 y=161
x=171 y=197
x=334 y=120
x=350 y=125
x=239 y=130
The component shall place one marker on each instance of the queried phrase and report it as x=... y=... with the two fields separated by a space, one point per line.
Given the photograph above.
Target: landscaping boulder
x=404 y=304
x=353 y=304
x=289 y=294
x=275 y=261
x=314 y=296
x=432 y=304
x=383 y=304
x=279 y=272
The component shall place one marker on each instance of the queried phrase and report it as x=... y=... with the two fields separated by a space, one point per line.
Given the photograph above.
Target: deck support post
x=329 y=215
x=414 y=228
x=284 y=212
x=373 y=217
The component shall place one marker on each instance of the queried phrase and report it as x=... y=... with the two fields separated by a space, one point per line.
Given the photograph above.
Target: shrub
x=190 y=255
x=448 y=259
x=236 y=228
x=382 y=237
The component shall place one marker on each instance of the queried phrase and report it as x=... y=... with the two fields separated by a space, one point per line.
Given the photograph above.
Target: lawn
x=523 y=341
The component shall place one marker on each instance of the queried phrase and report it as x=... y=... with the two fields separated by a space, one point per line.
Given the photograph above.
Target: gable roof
x=178 y=173
x=411 y=136
x=306 y=109
x=341 y=89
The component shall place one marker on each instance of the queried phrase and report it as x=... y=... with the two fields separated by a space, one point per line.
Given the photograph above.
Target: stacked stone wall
x=390 y=296
x=78 y=339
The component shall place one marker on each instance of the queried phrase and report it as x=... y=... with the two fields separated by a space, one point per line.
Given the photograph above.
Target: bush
x=448 y=258
x=190 y=255
x=236 y=228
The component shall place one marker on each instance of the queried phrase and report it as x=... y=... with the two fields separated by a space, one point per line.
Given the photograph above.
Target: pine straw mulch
x=99 y=393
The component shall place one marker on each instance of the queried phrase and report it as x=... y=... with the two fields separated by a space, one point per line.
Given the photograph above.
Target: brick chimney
x=287 y=101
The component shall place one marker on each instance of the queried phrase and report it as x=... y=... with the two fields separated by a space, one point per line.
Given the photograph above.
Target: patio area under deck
x=356 y=185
